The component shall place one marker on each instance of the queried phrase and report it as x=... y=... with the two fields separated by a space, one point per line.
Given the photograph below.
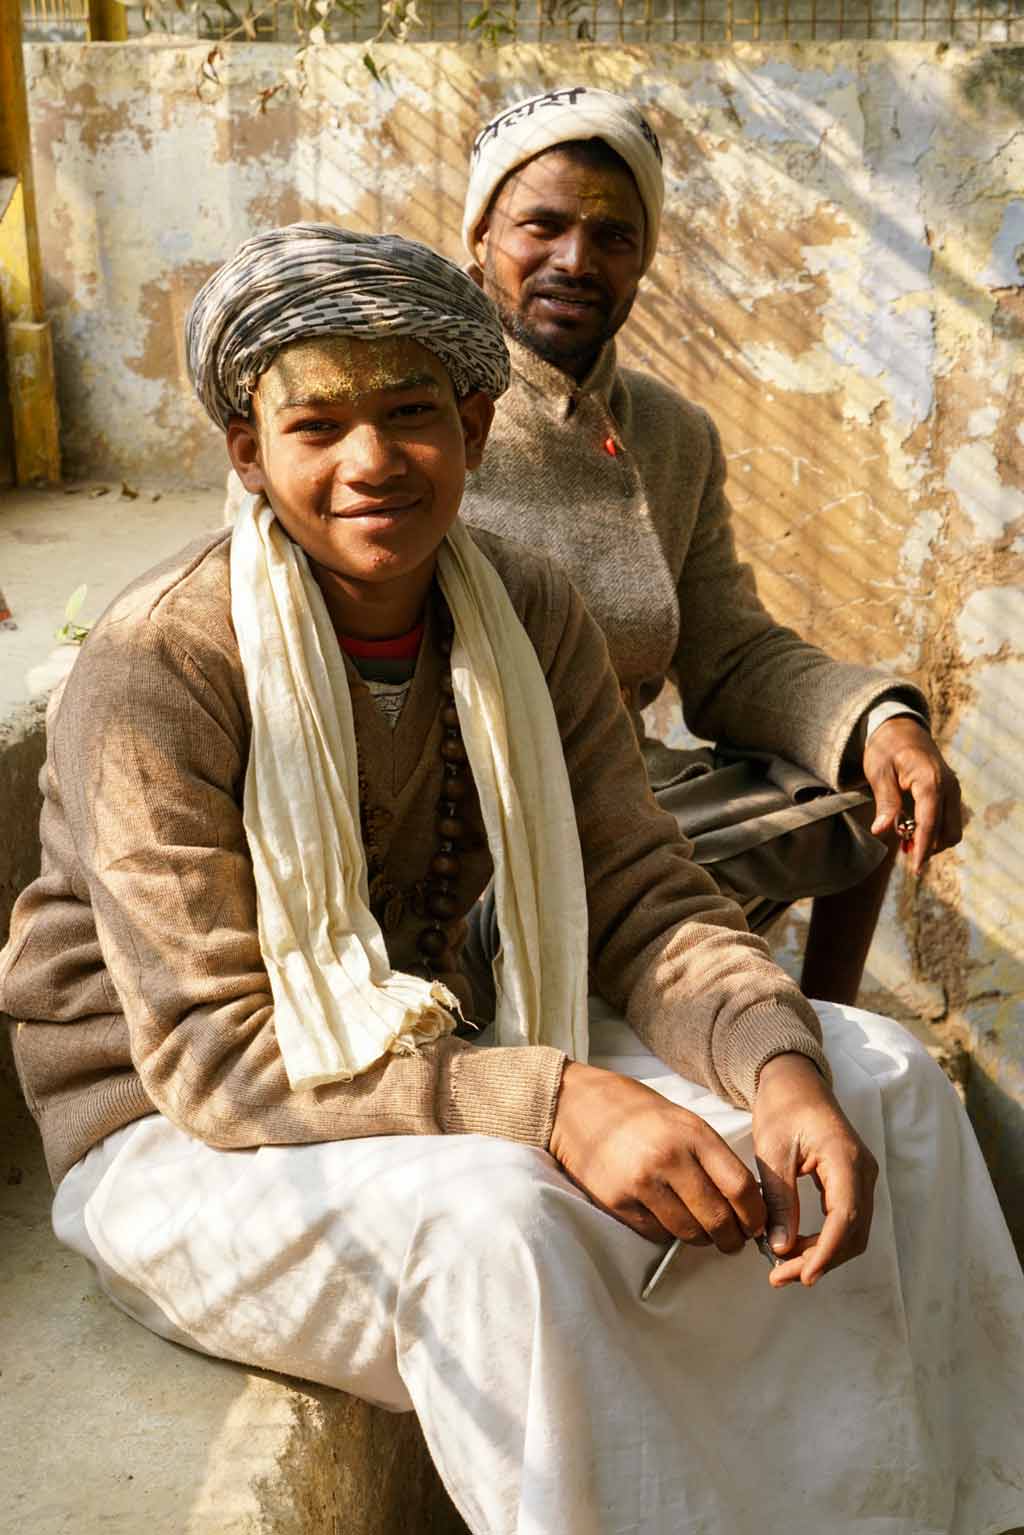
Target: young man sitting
x=279 y=776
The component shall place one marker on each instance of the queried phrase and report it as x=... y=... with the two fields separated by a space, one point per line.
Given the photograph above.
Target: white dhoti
x=468 y=1279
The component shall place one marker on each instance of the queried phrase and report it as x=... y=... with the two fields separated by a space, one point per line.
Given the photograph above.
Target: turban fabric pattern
x=309 y=280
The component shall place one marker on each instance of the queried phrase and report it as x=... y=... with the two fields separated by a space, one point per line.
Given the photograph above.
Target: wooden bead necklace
x=436 y=896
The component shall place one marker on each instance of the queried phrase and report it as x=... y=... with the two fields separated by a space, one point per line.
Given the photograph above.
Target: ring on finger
x=906 y=826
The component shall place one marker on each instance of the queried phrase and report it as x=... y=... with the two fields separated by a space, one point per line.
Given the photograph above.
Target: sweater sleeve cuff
x=890 y=709
x=876 y=708
x=763 y=1033
x=508 y=1093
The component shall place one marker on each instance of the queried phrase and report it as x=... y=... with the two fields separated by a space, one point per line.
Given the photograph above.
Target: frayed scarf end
x=440 y=1016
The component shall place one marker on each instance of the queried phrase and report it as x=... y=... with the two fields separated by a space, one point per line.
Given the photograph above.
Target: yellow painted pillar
x=108 y=22
x=30 y=380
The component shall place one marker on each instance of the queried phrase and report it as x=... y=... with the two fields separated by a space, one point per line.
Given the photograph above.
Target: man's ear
x=480 y=235
x=244 y=452
x=476 y=412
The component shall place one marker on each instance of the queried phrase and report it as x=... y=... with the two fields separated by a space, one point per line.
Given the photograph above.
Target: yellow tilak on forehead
x=343 y=369
x=598 y=192
x=592 y=188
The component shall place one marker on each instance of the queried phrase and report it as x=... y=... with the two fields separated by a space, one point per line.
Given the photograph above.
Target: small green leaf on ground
x=71 y=632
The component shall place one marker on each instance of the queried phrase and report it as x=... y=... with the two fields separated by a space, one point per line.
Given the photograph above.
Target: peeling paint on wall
x=1005 y=270
x=839 y=282
x=992 y=619
x=974 y=478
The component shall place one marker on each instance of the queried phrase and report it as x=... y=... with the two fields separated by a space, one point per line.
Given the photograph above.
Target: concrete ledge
x=110 y=1429
x=99 y=535
x=22 y=754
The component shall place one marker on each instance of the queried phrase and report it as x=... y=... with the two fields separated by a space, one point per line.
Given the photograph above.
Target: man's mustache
x=573 y=291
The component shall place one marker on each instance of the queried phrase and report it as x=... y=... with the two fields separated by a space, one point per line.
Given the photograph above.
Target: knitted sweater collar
x=561 y=390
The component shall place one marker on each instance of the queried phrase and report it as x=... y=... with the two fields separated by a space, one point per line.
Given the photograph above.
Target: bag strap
x=728 y=841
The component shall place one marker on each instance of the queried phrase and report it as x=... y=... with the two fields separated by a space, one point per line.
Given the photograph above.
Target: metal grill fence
x=53 y=16
x=531 y=21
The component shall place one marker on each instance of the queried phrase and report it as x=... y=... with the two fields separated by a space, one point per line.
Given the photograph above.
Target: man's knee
x=505 y=1196
x=519 y=1184
x=917 y=1093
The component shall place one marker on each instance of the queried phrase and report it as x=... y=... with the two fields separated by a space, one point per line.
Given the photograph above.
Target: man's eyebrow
x=411 y=381
x=540 y=211
x=399 y=386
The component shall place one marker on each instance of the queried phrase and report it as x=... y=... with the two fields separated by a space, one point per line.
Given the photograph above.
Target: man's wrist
x=889 y=707
x=791 y=1065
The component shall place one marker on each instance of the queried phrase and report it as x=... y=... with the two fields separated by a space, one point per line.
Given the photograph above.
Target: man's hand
x=799 y=1129
x=656 y=1167
x=900 y=758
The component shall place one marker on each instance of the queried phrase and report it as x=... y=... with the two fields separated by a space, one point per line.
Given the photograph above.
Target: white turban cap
x=543 y=122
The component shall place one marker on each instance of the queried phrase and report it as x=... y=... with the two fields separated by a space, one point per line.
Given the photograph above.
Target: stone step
x=109 y=1430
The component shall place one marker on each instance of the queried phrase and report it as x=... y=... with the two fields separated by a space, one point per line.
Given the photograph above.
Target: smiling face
x=361 y=448
x=562 y=252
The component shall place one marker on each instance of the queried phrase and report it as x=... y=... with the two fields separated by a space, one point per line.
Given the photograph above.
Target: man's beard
x=564 y=350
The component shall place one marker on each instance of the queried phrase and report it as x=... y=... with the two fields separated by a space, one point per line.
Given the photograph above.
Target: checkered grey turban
x=308 y=280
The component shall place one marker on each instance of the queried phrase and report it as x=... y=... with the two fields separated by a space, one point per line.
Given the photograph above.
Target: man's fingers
x=783 y=1206
x=736 y=1183
x=938 y=810
x=901 y=758
x=676 y=1217
x=704 y=1193
x=702 y=1201
x=848 y=1201
x=644 y=1222
x=888 y=800
x=928 y=815
x=799 y=1128
x=848 y=1186
x=789 y=1271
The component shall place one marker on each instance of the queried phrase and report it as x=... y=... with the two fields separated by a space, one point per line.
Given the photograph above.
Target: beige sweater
x=133 y=967
x=645 y=534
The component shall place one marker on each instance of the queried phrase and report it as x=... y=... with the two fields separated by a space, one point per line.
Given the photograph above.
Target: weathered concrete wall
x=839 y=282
x=160 y=1439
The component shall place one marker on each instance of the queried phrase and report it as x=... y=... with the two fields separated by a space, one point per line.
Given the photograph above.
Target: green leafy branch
x=492 y=24
x=314 y=21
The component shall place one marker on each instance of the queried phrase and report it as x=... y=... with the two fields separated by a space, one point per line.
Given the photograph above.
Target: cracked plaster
x=1005 y=270
x=992 y=619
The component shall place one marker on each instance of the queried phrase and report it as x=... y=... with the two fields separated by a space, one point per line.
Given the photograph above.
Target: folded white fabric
x=338 y=1006
x=515 y=751
x=882 y=1402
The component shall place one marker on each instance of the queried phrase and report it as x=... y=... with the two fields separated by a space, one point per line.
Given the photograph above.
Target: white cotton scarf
x=338 y=1006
